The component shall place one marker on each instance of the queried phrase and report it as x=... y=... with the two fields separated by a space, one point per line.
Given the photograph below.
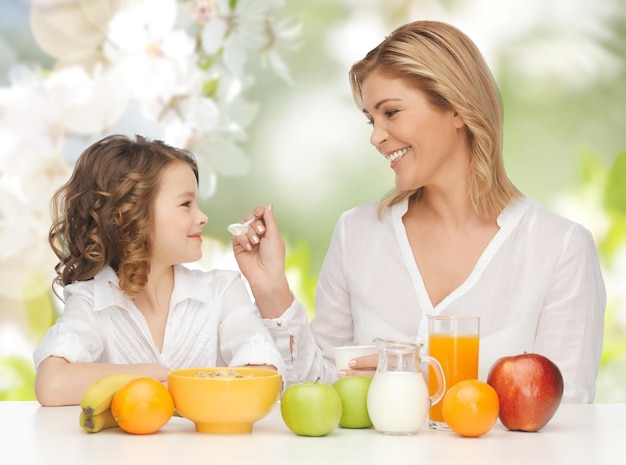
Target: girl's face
x=424 y=144
x=178 y=221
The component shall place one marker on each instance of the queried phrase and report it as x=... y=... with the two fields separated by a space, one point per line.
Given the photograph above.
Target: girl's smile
x=197 y=236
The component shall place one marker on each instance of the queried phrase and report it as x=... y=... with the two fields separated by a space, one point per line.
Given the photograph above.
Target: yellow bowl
x=224 y=405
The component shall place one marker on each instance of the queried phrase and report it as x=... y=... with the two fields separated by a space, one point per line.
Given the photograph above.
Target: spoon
x=239 y=229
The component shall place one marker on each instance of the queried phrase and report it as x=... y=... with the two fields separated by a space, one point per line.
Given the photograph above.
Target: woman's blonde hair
x=103 y=214
x=446 y=65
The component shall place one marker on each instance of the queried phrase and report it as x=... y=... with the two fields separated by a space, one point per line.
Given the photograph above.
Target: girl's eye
x=186 y=204
x=370 y=121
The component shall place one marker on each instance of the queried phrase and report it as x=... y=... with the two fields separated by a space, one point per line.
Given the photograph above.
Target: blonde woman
x=454 y=237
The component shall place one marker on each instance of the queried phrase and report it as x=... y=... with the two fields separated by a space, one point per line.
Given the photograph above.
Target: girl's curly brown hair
x=103 y=214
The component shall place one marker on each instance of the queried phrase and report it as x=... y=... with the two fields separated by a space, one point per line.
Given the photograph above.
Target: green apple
x=311 y=408
x=353 y=394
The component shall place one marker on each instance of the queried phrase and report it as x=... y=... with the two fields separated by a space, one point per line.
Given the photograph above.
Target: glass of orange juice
x=454 y=342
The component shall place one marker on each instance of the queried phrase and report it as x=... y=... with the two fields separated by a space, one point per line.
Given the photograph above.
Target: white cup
x=343 y=355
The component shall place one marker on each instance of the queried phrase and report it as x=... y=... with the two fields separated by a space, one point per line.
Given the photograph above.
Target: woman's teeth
x=397 y=154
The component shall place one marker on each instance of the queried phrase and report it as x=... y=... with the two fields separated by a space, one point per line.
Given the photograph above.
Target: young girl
x=122 y=225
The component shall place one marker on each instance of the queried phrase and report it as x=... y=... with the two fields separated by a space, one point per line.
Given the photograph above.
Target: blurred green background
x=561 y=71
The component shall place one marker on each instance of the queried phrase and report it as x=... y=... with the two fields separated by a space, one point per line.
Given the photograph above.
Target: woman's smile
x=396 y=154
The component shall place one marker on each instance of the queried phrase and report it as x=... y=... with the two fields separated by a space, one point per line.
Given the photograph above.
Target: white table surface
x=577 y=434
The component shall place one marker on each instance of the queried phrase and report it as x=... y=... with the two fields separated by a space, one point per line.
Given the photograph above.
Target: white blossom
x=165 y=69
x=249 y=28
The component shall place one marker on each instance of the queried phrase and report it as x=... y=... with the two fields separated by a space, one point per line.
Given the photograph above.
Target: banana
x=95 y=423
x=99 y=395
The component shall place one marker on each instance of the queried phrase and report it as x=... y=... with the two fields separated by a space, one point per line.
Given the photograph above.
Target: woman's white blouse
x=211 y=322
x=537 y=287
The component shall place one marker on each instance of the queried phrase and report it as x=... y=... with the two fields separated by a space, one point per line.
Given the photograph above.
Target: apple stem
x=317 y=380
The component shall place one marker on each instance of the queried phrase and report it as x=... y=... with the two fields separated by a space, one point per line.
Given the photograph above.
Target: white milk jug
x=398 y=400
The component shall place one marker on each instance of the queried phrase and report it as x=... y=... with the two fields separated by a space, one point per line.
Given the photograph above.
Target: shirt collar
x=399 y=209
x=189 y=284
x=107 y=293
x=512 y=214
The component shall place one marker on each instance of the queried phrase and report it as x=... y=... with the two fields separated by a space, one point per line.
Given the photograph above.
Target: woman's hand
x=260 y=254
x=364 y=366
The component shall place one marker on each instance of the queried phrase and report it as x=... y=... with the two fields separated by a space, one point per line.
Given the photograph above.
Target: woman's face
x=178 y=221
x=424 y=144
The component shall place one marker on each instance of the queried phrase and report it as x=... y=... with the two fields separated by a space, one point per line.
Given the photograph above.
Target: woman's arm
x=262 y=262
x=571 y=324
x=306 y=350
x=59 y=382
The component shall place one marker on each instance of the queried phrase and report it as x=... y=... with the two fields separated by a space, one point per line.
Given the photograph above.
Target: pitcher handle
x=441 y=380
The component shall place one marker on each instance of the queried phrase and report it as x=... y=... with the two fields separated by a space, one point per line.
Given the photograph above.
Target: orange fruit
x=470 y=407
x=142 y=406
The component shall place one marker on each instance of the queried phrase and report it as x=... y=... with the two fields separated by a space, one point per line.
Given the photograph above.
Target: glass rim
x=397 y=345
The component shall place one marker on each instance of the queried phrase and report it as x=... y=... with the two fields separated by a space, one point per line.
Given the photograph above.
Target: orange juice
x=458 y=356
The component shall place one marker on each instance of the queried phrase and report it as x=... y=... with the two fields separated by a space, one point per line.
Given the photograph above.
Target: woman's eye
x=186 y=204
x=388 y=114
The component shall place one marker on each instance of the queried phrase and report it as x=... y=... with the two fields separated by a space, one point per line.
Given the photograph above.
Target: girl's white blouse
x=211 y=322
x=537 y=287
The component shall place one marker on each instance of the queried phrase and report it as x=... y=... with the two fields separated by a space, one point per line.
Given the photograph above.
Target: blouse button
x=279 y=323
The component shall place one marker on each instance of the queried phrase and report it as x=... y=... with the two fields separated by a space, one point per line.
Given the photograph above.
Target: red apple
x=529 y=387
